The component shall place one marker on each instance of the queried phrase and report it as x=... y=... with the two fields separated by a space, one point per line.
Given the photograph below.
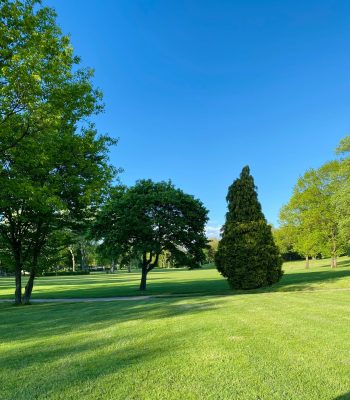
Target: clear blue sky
x=197 y=89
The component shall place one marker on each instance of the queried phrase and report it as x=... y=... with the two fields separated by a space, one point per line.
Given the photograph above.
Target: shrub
x=64 y=273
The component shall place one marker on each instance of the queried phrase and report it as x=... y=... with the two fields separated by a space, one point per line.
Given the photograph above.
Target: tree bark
x=72 y=258
x=334 y=254
x=112 y=266
x=18 y=277
x=334 y=262
x=143 y=278
x=307 y=265
x=16 y=249
x=29 y=288
x=147 y=266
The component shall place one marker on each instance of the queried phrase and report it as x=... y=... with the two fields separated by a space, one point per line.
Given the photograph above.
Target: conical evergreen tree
x=247 y=254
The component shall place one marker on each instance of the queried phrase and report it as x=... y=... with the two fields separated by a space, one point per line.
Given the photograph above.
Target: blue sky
x=197 y=89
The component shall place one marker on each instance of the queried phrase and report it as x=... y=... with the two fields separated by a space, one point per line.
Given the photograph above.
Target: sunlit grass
x=253 y=346
x=181 y=281
x=287 y=342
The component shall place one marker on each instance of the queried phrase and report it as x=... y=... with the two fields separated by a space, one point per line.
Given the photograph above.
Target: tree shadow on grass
x=297 y=281
x=345 y=396
x=51 y=348
x=195 y=285
x=305 y=280
x=62 y=346
x=341 y=263
x=56 y=319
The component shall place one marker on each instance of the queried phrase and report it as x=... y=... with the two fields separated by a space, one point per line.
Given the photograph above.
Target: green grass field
x=179 y=281
x=289 y=342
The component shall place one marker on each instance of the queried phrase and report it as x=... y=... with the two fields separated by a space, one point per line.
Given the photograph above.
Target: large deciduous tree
x=311 y=213
x=149 y=219
x=49 y=183
x=53 y=165
x=247 y=254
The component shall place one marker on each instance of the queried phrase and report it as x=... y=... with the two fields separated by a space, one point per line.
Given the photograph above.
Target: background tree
x=150 y=218
x=311 y=216
x=300 y=236
x=284 y=237
x=341 y=199
x=210 y=252
x=247 y=254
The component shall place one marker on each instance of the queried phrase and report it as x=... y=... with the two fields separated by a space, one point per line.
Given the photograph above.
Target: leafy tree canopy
x=150 y=218
x=341 y=199
x=310 y=215
x=41 y=83
x=54 y=167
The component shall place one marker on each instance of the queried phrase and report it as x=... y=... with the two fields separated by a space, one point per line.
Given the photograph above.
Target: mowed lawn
x=292 y=342
x=179 y=281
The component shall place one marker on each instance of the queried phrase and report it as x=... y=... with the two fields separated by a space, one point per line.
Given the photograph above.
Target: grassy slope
x=273 y=345
x=255 y=346
x=206 y=281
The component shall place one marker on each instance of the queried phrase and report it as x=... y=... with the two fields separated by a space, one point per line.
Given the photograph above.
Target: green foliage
x=65 y=273
x=211 y=250
x=310 y=219
x=247 y=254
x=148 y=219
x=283 y=237
x=40 y=82
x=341 y=199
x=52 y=173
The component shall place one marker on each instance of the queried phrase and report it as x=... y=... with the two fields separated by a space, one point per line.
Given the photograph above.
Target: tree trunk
x=334 y=262
x=129 y=267
x=16 y=251
x=18 y=277
x=147 y=266
x=83 y=257
x=28 y=289
x=72 y=257
x=334 y=254
x=29 y=286
x=307 y=265
x=143 y=278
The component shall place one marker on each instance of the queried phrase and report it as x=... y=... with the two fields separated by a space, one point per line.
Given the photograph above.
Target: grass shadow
x=75 y=343
x=345 y=396
x=184 y=282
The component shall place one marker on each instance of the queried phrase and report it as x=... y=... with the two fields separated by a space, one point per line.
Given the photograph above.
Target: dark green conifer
x=247 y=255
